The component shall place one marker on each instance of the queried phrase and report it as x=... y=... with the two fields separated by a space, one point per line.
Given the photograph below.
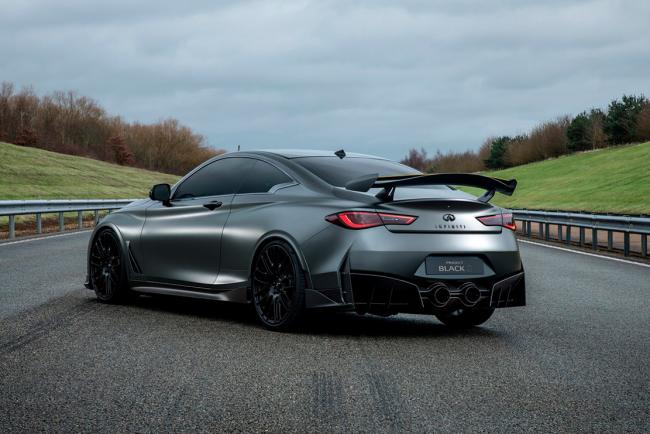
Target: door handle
x=213 y=205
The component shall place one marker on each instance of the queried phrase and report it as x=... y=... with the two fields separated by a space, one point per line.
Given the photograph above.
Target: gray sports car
x=290 y=231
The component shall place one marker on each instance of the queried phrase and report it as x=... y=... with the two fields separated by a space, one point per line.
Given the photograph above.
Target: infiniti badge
x=449 y=217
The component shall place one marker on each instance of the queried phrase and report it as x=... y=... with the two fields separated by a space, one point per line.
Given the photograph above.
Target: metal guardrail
x=565 y=221
x=13 y=208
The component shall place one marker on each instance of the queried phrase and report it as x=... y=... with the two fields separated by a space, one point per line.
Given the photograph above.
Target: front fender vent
x=134 y=264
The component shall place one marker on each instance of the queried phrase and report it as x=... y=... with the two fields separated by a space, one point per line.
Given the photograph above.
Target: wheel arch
x=282 y=236
x=98 y=229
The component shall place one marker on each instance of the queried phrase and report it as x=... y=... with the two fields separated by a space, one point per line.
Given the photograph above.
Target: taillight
x=509 y=222
x=505 y=220
x=368 y=219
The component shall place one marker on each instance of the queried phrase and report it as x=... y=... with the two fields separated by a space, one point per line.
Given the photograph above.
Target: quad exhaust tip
x=440 y=294
x=470 y=293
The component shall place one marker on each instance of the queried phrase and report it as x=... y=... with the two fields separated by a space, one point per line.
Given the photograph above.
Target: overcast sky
x=370 y=76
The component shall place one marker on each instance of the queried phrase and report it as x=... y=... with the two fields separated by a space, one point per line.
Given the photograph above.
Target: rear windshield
x=339 y=171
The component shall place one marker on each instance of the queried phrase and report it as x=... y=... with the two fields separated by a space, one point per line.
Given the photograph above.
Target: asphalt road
x=577 y=358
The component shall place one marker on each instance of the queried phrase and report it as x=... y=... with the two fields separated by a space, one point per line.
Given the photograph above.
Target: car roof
x=301 y=153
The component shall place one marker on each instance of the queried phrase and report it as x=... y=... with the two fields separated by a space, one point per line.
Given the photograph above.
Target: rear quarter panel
x=293 y=214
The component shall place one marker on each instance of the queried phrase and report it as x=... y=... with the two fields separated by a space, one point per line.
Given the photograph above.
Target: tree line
x=626 y=120
x=73 y=124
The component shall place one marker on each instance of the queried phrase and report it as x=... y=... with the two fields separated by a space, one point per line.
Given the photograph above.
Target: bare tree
x=74 y=124
x=417 y=159
x=122 y=153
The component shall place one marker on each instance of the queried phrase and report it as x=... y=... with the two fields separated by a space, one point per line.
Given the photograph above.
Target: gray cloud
x=373 y=76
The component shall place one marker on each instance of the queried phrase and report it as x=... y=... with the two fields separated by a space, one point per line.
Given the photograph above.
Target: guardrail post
x=566 y=221
x=594 y=239
x=11 y=210
x=12 y=226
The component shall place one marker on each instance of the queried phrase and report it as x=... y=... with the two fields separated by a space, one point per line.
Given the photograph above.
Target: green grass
x=615 y=180
x=29 y=173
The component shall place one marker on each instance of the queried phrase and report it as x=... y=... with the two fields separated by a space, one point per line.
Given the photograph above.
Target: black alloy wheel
x=278 y=286
x=106 y=267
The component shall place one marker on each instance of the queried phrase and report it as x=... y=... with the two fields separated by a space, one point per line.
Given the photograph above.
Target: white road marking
x=8 y=243
x=580 y=252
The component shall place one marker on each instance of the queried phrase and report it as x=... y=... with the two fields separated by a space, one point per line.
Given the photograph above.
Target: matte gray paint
x=187 y=247
x=182 y=242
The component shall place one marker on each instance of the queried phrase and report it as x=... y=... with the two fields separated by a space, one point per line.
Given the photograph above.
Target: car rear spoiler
x=389 y=184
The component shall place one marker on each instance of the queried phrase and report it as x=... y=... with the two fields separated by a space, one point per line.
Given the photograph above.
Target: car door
x=256 y=210
x=181 y=243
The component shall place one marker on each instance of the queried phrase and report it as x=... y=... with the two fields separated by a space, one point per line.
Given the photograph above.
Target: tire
x=278 y=286
x=107 y=268
x=465 y=317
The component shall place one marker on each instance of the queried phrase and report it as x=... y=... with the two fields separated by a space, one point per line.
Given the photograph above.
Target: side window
x=217 y=178
x=262 y=178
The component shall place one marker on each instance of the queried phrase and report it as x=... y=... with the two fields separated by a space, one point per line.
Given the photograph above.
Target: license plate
x=454 y=265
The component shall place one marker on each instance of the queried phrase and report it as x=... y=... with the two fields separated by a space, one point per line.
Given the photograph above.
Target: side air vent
x=134 y=264
x=346 y=282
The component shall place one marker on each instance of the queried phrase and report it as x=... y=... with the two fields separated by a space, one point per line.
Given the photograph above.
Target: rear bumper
x=376 y=268
x=387 y=295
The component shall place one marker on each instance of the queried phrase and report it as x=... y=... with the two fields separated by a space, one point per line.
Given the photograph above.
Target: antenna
x=340 y=153
x=238 y=147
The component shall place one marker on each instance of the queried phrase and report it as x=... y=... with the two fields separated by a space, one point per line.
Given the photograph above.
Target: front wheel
x=278 y=286
x=107 y=272
x=465 y=317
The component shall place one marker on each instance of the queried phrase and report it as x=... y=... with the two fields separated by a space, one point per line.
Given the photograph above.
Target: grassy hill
x=615 y=180
x=29 y=173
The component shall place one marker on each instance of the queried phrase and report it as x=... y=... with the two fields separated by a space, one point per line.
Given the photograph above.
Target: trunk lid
x=442 y=215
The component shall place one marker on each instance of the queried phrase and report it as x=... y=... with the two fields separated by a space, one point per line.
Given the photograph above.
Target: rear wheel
x=107 y=273
x=465 y=317
x=278 y=286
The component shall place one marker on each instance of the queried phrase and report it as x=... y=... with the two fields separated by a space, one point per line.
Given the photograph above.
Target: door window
x=217 y=178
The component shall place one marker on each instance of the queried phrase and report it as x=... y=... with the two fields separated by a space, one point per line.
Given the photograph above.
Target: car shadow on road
x=317 y=323
x=351 y=324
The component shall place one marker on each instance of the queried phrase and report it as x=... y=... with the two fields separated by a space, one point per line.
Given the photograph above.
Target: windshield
x=339 y=171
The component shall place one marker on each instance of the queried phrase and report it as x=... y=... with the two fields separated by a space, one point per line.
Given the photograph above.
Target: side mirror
x=161 y=193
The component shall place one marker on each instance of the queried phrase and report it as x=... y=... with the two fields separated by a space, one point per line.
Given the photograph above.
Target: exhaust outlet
x=440 y=294
x=470 y=293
